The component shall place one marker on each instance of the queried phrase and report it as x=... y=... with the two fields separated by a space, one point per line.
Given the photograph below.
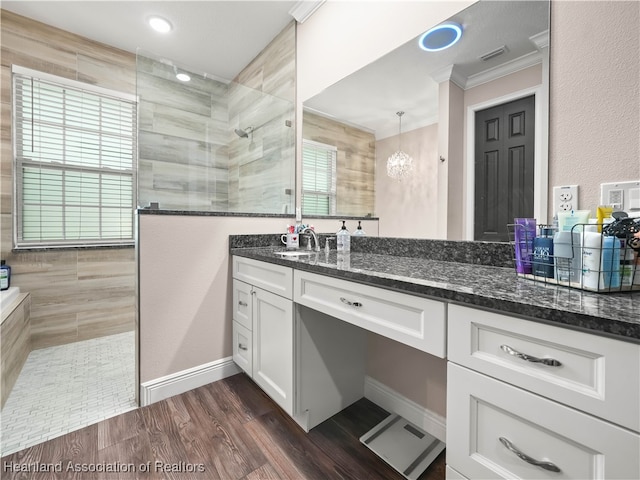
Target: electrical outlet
x=565 y=198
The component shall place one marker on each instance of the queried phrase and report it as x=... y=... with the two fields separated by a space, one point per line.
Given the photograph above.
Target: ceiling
x=219 y=38
x=404 y=79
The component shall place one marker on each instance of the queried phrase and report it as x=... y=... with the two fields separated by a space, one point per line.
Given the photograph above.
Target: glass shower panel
x=211 y=146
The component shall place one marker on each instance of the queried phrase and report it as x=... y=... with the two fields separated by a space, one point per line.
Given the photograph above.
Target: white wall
x=408 y=208
x=594 y=96
x=185 y=288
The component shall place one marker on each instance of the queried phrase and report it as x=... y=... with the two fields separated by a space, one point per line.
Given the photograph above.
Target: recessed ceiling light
x=160 y=24
x=183 y=77
x=440 y=37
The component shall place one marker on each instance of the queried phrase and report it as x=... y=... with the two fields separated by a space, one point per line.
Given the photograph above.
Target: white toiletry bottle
x=343 y=239
x=359 y=231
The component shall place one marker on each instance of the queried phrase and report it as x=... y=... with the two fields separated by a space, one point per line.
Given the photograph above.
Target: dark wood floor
x=225 y=430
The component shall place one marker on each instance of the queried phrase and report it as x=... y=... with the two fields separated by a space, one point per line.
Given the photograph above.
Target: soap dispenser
x=343 y=239
x=359 y=231
x=5 y=276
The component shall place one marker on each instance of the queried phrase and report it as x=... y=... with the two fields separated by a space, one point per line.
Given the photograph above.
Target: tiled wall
x=356 y=162
x=262 y=167
x=183 y=136
x=75 y=294
x=15 y=343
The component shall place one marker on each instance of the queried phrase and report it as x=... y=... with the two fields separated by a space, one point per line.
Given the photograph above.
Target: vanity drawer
x=482 y=413
x=268 y=276
x=243 y=347
x=412 y=320
x=242 y=304
x=598 y=375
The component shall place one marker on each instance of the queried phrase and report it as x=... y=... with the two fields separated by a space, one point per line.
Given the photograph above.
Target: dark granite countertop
x=490 y=287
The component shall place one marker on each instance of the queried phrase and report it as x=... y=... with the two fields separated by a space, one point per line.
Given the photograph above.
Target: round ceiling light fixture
x=440 y=37
x=183 y=77
x=160 y=24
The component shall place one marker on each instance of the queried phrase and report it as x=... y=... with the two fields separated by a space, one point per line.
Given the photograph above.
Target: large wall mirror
x=350 y=128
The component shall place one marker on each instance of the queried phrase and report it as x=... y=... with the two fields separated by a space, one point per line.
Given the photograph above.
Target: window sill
x=70 y=247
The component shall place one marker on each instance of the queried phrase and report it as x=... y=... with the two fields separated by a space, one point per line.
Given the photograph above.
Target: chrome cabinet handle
x=552 y=467
x=351 y=304
x=243 y=304
x=242 y=347
x=551 y=362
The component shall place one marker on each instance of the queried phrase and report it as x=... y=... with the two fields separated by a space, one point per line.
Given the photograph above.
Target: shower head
x=244 y=133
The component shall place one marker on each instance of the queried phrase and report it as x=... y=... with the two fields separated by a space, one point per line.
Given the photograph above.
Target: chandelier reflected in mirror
x=399 y=164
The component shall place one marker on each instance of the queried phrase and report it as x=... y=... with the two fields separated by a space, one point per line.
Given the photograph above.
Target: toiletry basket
x=587 y=261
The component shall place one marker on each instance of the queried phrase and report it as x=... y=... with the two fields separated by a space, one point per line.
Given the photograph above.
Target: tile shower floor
x=64 y=388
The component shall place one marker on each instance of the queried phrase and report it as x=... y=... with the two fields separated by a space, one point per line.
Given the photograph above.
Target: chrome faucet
x=313 y=234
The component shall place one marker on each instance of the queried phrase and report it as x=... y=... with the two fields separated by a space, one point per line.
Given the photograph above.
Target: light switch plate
x=623 y=196
x=565 y=198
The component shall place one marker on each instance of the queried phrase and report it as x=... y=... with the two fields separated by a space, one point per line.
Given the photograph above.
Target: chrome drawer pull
x=552 y=467
x=243 y=304
x=551 y=362
x=242 y=346
x=351 y=304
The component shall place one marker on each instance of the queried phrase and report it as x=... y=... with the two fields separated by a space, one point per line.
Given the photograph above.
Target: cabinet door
x=273 y=347
x=242 y=305
x=495 y=430
x=242 y=348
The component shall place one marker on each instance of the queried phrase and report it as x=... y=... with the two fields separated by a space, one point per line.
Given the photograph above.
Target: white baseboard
x=392 y=401
x=180 y=382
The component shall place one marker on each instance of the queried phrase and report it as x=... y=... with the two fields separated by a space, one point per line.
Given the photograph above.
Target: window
x=74 y=147
x=318 y=178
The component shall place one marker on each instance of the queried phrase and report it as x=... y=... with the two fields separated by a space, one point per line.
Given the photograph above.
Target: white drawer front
x=481 y=411
x=242 y=305
x=243 y=348
x=273 y=278
x=412 y=320
x=596 y=374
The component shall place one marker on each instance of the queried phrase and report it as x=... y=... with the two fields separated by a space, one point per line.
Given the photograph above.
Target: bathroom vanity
x=542 y=381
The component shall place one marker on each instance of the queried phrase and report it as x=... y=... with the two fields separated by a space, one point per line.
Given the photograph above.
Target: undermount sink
x=295 y=253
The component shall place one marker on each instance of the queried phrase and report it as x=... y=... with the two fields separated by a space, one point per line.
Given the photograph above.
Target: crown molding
x=449 y=73
x=541 y=40
x=304 y=9
x=526 y=61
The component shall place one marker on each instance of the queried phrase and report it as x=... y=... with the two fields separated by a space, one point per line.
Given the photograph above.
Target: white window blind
x=75 y=151
x=318 y=178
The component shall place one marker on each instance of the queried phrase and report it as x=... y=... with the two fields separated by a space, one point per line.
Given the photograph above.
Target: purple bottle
x=525 y=232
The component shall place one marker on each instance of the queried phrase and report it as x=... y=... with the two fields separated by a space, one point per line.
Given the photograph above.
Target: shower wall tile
x=64 y=285
x=355 y=186
x=109 y=320
x=273 y=70
x=117 y=76
x=22 y=42
x=183 y=136
x=167 y=92
x=263 y=96
x=15 y=344
x=180 y=152
x=50 y=330
x=184 y=124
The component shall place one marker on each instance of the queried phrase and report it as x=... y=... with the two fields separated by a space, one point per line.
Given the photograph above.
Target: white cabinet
x=495 y=430
x=409 y=319
x=273 y=346
x=263 y=327
x=595 y=374
x=529 y=400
